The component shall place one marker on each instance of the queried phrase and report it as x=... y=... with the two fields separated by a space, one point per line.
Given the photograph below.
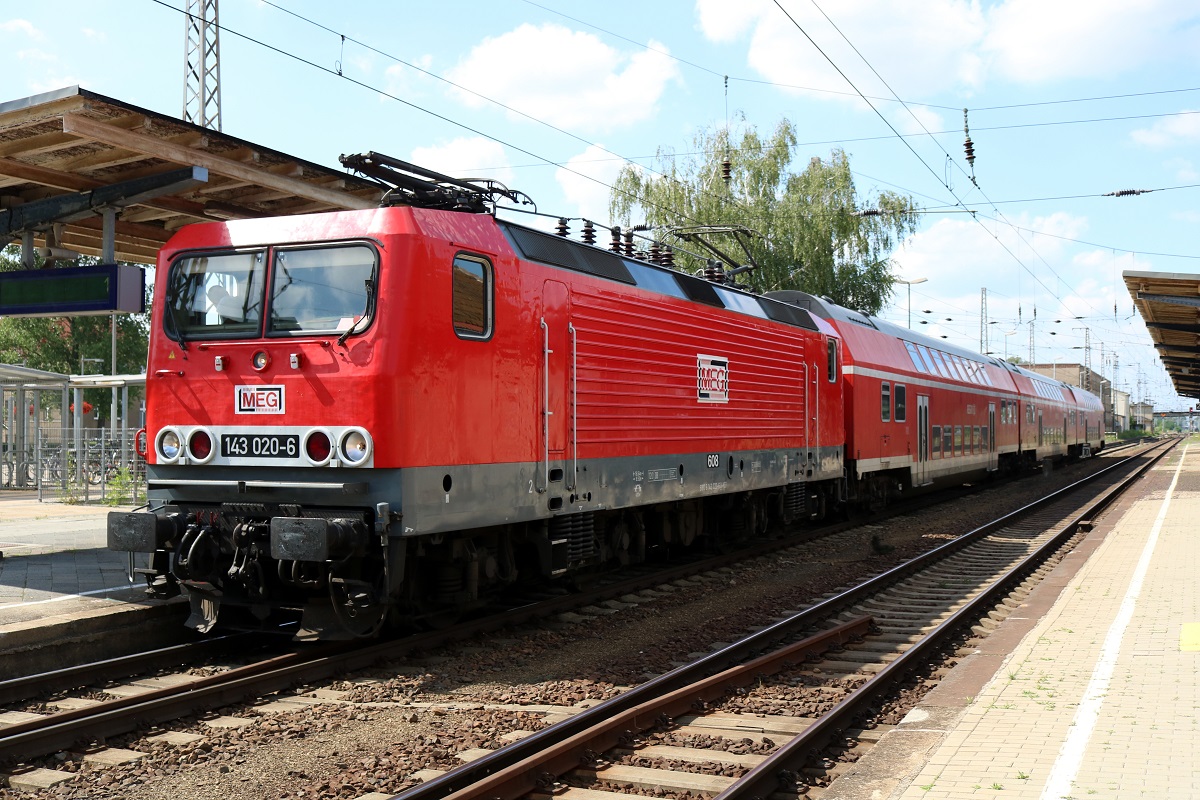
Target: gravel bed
x=420 y=712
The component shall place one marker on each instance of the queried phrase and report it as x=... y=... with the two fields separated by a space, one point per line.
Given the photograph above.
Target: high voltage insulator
x=615 y=246
x=1127 y=192
x=726 y=170
x=561 y=228
x=589 y=232
x=867 y=212
x=969 y=146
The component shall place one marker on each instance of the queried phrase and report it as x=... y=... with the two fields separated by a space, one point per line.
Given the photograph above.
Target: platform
x=1088 y=690
x=63 y=591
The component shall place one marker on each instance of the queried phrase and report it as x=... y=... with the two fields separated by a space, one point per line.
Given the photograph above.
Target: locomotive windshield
x=319 y=289
x=216 y=294
x=323 y=289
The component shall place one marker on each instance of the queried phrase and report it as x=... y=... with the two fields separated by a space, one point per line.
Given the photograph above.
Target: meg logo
x=258 y=399
x=712 y=379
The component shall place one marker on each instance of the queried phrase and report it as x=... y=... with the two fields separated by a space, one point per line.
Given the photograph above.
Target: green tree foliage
x=57 y=344
x=808 y=237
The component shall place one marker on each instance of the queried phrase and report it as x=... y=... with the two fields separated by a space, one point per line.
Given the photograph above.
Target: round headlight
x=355 y=447
x=260 y=360
x=169 y=445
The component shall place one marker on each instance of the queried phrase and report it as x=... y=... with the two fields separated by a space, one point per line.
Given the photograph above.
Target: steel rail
x=63 y=730
x=27 y=687
x=457 y=782
x=764 y=779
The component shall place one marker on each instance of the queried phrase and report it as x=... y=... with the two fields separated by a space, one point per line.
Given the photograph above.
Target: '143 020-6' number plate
x=259 y=445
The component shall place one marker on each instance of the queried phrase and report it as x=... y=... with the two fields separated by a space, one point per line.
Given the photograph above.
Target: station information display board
x=73 y=291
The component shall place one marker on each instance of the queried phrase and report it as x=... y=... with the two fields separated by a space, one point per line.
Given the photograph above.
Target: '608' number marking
x=259 y=445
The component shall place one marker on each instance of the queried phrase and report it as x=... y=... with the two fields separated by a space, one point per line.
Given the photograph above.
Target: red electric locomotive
x=397 y=412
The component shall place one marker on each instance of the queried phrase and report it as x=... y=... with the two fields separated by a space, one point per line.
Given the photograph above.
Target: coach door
x=922 y=476
x=558 y=355
x=989 y=441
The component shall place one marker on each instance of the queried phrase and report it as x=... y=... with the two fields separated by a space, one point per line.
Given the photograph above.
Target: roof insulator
x=629 y=243
x=561 y=228
x=615 y=246
x=969 y=146
x=589 y=232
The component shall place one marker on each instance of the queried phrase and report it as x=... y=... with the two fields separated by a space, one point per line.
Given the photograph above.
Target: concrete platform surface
x=59 y=582
x=1091 y=689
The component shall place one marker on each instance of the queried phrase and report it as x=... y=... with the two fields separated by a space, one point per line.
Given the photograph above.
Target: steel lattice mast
x=202 y=73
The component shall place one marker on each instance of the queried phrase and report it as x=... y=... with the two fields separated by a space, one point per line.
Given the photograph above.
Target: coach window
x=977 y=440
x=936 y=440
x=831 y=369
x=885 y=399
x=947 y=441
x=958 y=440
x=472 y=283
x=901 y=392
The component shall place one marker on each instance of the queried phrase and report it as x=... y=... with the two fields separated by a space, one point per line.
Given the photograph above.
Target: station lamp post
x=909 y=284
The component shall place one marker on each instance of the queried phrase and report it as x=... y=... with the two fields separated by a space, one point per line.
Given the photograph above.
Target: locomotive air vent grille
x=698 y=290
x=782 y=312
x=565 y=253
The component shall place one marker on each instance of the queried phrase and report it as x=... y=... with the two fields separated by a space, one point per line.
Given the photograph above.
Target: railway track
x=170 y=697
x=912 y=613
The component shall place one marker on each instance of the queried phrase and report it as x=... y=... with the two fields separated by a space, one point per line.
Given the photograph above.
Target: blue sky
x=1068 y=100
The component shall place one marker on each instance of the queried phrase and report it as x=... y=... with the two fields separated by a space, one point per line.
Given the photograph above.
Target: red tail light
x=200 y=445
x=318 y=447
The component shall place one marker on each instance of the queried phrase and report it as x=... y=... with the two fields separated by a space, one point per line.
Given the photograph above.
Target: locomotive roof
x=560 y=251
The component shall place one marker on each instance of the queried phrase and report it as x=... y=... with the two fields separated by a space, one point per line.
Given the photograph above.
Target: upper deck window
x=216 y=294
x=321 y=289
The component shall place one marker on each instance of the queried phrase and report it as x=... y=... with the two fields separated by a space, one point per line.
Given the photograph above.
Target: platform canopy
x=1170 y=305
x=74 y=151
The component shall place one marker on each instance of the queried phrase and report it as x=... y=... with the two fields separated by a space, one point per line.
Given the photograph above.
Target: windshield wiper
x=370 y=285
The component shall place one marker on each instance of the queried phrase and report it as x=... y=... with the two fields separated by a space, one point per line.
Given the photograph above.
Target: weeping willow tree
x=808 y=236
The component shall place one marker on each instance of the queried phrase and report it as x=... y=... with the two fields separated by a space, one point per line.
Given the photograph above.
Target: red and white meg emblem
x=712 y=379
x=258 y=399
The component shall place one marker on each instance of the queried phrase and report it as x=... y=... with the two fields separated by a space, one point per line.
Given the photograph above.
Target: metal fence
x=81 y=466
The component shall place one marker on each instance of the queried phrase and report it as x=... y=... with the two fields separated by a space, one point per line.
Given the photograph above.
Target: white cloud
x=22 y=27
x=34 y=54
x=586 y=184
x=466 y=158
x=1033 y=41
x=404 y=81
x=1170 y=131
x=917 y=119
x=1185 y=171
x=591 y=87
x=924 y=47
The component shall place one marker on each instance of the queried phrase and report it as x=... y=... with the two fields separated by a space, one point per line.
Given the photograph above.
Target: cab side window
x=885 y=400
x=472 y=290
